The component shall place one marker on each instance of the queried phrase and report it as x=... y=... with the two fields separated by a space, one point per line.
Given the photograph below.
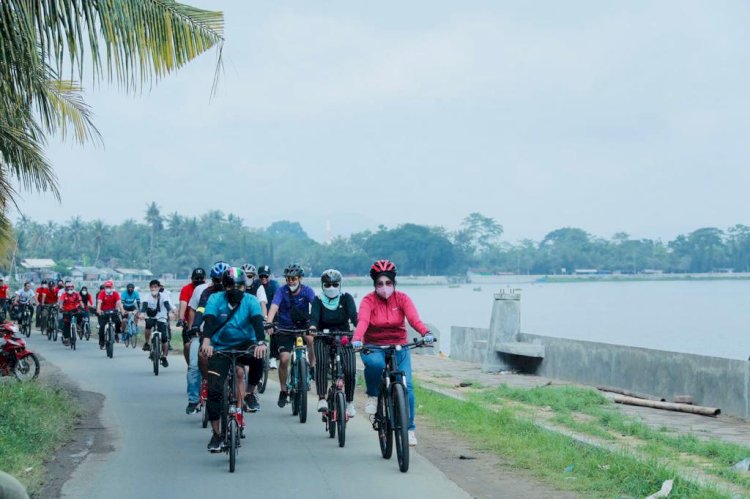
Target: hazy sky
x=608 y=116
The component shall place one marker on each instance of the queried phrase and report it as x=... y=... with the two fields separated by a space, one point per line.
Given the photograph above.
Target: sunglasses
x=263 y=276
x=331 y=285
x=292 y=279
x=380 y=284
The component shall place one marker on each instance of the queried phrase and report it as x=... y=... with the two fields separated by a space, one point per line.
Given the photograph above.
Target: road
x=160 y=452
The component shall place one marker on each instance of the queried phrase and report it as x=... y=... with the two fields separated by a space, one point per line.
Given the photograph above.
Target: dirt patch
x=481 y=474
x=87 y=436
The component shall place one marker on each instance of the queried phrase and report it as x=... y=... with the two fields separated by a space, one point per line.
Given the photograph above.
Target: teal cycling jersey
x=239 y=329
x=130 y=299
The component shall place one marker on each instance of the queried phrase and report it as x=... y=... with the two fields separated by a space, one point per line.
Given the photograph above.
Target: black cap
x=264 y=270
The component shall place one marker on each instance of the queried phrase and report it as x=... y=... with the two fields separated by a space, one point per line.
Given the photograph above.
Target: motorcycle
x=15 y=359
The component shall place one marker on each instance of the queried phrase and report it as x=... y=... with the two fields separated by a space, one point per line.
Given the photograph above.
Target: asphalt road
x=160 y=452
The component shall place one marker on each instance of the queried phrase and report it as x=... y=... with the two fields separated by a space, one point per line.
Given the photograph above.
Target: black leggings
x=103 y=319
x=218 y=368
x=323 y=350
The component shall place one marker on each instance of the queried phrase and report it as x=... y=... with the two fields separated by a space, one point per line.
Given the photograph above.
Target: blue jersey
x=294 y=310
x=130 y=300
x=239 y=330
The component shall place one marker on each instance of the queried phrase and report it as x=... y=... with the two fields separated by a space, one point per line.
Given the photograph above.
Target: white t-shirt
x=150 y=303
x=197 y=292
x=261 y=294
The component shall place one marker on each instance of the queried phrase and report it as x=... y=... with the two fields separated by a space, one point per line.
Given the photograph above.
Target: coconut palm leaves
x=132 y=42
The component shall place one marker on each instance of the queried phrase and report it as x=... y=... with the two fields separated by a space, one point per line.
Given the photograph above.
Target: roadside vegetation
x=34 y=420
x=625 y=457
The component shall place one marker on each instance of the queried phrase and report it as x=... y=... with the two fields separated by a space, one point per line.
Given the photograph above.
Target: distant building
x=38 y=269
x=81 y=273
x=134 y=274
x=585 y=271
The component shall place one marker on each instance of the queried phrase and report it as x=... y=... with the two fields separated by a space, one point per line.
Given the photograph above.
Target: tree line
x=176 y=244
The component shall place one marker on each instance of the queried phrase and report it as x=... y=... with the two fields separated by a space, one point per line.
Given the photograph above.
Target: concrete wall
x=712 y=381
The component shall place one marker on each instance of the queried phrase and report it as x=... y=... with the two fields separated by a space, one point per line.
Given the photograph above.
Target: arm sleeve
x=209 y=327
x=143 y=307
x=315 y=313
x=410 y=311
x=363 y=321
x=168 y=306
x=257 y=322
x=200 y=311
x=351 y=308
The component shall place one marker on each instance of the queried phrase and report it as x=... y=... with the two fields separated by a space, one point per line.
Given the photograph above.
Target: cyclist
x=4 y=296
x=381 y=322
x=270 y=286
x=70 y=304
x=197 y=278
x=40 y=291
x=131 y=302
x=334 y=311
x=166 y=295
x=108 y=300
x=49 y=297
x=233 y=320
x=196 y=307
x=87 y=303
x=25 y=297
x=254 y=287
x=156 y=306
x=292 y=304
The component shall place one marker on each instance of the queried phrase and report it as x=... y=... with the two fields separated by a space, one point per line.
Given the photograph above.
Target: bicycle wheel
x=110 y=341
x=341 y=417
x=27 y=369
x=302 y=389
x=54 y=333
x=233 y=437
x=49 y=329
x=155 y=353
x=134 y=336
x=73 y=333
x=330 y=423
x=204 y=421
x=401 y=425
x=87 y=330
x=383 y=426
x=264 y=378
x=292 y=384
x=27 y=325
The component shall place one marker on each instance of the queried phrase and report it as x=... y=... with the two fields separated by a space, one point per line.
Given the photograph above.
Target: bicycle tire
x=155 y=353
x=29 y=364
x=400 y=425
x=293 y=392
x=134 y=336
x=87 y=331
x=382 y=419
x=204 y=420
x=330 y=424
x=302 y=389
x=264 y=378
x=49 y=330
x=27 y=325
x=73 y=334
x=340 y=399
x=110 y=341
x=233 y=437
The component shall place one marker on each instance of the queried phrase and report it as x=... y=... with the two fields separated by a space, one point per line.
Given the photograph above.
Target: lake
x=700 y=317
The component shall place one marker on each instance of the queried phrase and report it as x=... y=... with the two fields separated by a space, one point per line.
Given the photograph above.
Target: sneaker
x=272 y=364
x=371 y=406
x=251 y=403
x=216 y=443
x=412 y=439
x=146 y=347
x=282 y=399
x=191 y=408
x=350 y=410
x=322 y=405
x=164 y=362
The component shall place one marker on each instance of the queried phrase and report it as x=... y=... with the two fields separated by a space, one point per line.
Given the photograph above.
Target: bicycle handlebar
x=416 y=343
x=234 y=352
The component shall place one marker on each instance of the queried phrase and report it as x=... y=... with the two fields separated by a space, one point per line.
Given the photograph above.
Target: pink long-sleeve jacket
x=381 y=322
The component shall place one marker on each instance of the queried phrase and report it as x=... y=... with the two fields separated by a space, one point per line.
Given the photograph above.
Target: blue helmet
x=218 y=270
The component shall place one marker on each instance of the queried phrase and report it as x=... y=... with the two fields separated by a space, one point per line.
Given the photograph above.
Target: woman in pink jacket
x=381 y=322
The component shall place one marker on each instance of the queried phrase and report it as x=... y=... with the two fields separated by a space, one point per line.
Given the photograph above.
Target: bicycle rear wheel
x=264 y=378
x=383 y=423
x=54 y=330
x=341 y=417
x=155 y=353
x=73 y=334
x=233 y=437
x=400 y=425
x=87 y=330
x=110 y=342
x=302 y=389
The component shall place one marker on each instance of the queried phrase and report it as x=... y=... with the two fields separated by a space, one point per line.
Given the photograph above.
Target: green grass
x=607 y=420
x=546 y=454
x=32 y=424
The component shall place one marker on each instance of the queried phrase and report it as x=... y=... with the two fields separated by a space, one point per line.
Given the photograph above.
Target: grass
x=546 y=454
x=605 y=421
x=32 y=425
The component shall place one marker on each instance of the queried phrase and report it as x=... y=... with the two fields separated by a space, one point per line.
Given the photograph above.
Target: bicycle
x=130 y=334
x=335 y=417
x=391 y=420
x=26 y=321
x=109 y=332
x=85 y=326
x=232 y=419
x=71 y=317
x=155 y=354
x=52 y=322
x=297 y=381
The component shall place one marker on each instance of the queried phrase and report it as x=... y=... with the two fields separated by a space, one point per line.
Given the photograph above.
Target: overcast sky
x=609 y=116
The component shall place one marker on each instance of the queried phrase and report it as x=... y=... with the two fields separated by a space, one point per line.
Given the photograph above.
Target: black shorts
x=160 y=326
x=129 y=308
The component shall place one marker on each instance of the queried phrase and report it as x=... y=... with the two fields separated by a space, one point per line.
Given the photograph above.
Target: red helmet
x=109 y=284
x=383 y=267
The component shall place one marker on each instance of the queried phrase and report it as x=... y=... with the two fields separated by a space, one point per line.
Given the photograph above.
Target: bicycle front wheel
x=383 y=426
x=264 y=378
x=233 y=435
x=155 y=353
x=73 y=334
x=302 y=389
x=110 y=343
x=400 y=425
x=134 y=336
x=87 y=331
x=341 y=417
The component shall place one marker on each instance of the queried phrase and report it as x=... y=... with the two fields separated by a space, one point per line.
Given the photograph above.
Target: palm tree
x=133 y=42
x=156 y=223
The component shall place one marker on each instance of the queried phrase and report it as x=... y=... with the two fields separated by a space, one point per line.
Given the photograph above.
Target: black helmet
x=330 y=276
x=130 y=286
x=264 y=271
x=198 y=275
x=294 y=270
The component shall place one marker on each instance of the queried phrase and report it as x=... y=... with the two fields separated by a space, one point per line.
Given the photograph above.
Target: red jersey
x=50 y=296
x=39 y=293
x=70 y=301
x=108 y=302
x=4 y=292
x=185 y=294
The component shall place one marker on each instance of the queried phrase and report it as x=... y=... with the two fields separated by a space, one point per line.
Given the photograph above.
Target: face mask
x=293 y=287
x=84 y=293
x=234 y=296
x=385 y=292
x=331 y=292
x=69 y=291
x=155 y=293
x=109 y=291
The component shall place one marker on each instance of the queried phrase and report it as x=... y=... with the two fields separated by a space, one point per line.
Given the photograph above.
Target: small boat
x=478 y=288
x=454 y=285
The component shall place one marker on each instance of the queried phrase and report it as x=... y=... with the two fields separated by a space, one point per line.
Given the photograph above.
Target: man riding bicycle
x=254 y=287
x=25 y=297
x=71 y=306
x=233 y=320
x=4 y=288
x=108 y=301
x=131 y=301
x=156 y=306
x=269 y=286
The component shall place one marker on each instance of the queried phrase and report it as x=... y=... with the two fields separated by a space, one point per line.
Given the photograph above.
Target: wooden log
x=637 y=395
x=683 y=399
x=668 y=406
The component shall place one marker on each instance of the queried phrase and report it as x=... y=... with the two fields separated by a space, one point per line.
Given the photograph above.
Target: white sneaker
x=371 y=406
x=322 y=405
x=350 y=410
x=412 y=439
x=272 y=364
